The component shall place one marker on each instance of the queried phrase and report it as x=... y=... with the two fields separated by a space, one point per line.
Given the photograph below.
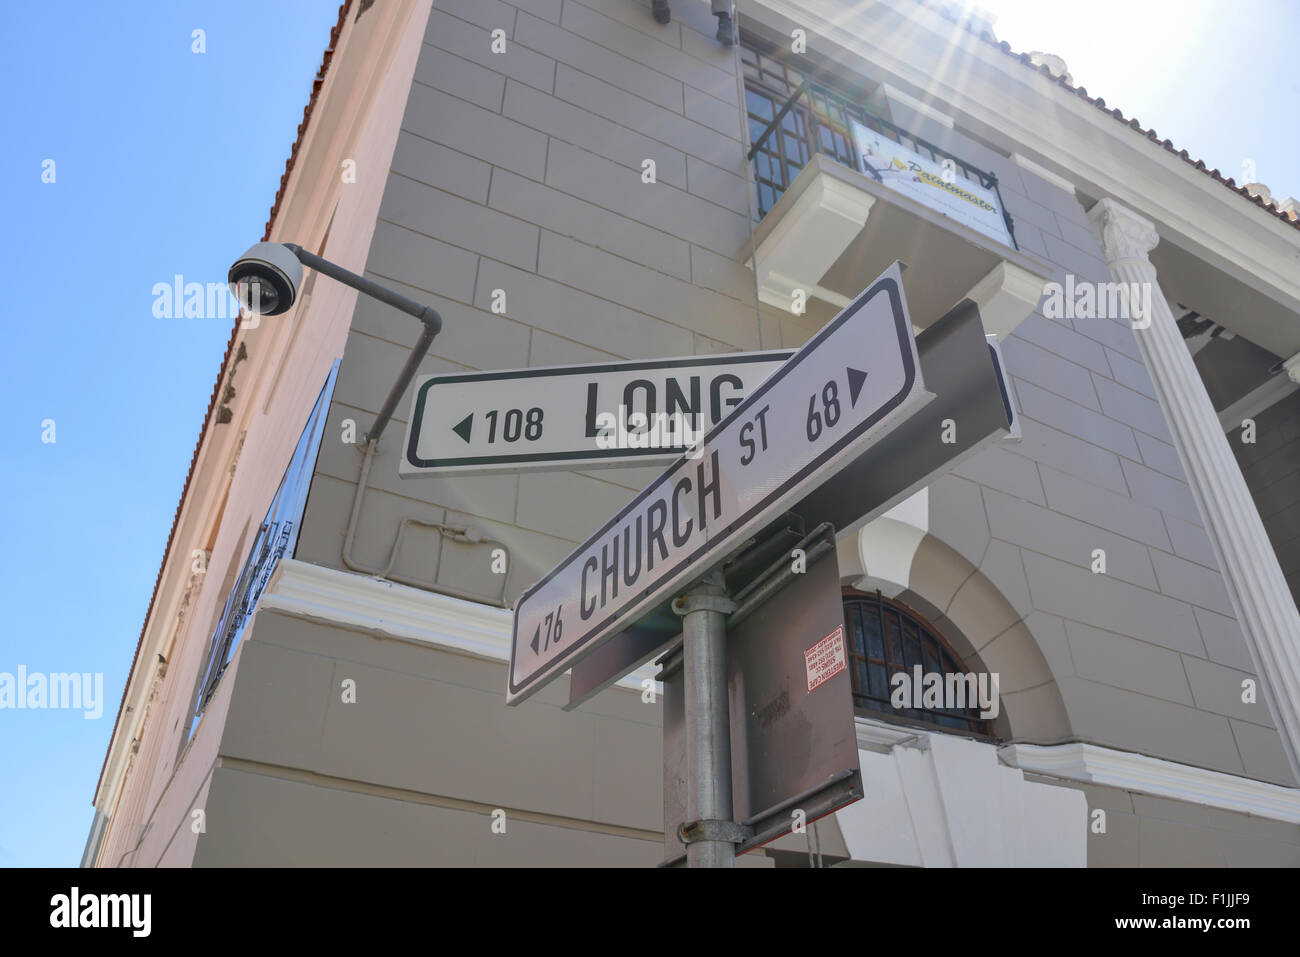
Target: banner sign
x=930 y=183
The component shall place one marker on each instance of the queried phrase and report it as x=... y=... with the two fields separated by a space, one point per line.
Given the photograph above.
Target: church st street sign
x=853 y=382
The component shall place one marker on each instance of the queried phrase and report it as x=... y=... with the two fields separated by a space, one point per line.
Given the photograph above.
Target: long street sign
x=853 y=382
x=615 y=413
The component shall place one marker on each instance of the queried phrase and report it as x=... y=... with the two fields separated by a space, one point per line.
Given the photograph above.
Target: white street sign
x=615 y=413
x=851 y=384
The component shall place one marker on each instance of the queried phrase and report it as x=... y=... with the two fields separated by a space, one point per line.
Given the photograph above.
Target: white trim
x=1042 y=172
x=1006 y=297
x=381 y=607
x=1092 y=764
x=887 y=545
x=808 y=238
x=881 y=736
x=912 y=103
x=1274 y=390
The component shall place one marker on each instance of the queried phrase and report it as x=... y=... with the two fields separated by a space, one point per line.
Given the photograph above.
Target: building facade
x=321 y=676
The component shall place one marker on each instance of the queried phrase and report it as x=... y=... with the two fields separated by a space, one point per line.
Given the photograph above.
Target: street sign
x=853 y=382
x=962 y=367
x=615 y=413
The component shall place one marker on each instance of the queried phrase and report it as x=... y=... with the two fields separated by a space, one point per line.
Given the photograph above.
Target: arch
x=910 y=565
x=883 y=635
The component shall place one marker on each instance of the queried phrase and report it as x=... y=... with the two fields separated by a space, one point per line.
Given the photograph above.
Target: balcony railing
x=815 y=119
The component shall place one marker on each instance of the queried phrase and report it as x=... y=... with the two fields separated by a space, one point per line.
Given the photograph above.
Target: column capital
x=1121 y=233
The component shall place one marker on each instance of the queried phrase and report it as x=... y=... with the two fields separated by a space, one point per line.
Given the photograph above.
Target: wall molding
x=380 y=607
x=1042 y=172
x=1092 y=764
x=917 y=106
x=875 y=735
x=1007 y=296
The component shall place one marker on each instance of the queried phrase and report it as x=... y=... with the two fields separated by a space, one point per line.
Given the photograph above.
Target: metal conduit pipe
x=426 y=314
x=460 y=534
x=432 y=322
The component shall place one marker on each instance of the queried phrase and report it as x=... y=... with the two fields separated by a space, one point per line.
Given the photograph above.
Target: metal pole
x=426 y=314
x=408 y=372
x=704 y=611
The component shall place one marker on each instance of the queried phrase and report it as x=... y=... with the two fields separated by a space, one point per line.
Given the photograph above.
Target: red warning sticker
x=825 y=659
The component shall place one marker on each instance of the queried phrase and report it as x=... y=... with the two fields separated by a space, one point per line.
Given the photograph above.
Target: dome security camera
x=265 y=280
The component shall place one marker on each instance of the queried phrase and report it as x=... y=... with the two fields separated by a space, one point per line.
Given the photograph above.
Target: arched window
x=884 y=638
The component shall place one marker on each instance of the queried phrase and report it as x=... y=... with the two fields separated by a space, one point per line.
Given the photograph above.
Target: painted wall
x=410 y=771
x=952 y=804
x=409 y=767
x=1143 y=830
x=521 y=171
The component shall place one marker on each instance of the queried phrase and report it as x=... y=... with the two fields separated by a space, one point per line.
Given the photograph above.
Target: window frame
x=936 y=655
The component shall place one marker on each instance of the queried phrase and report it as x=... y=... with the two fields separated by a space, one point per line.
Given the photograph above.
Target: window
x=884 y=638
x=276 y=537
x=817 y=122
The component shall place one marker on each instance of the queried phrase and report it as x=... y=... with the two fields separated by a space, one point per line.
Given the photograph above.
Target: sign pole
x=710 y=833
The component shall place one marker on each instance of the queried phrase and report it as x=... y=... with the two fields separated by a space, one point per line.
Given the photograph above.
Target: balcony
x=843 y=192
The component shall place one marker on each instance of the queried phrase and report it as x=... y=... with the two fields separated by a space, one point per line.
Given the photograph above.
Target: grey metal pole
x=704 y=611
x=426 y=314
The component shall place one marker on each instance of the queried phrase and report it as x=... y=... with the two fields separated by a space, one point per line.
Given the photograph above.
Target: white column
x=1260 y=596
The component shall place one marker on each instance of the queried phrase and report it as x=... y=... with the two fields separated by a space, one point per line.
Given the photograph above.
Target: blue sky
x=163 y=167
x=1217 y=77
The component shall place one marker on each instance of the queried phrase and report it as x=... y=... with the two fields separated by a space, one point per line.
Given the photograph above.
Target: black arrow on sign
x=462 y=428
x=537 y=639
x=856 y=379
